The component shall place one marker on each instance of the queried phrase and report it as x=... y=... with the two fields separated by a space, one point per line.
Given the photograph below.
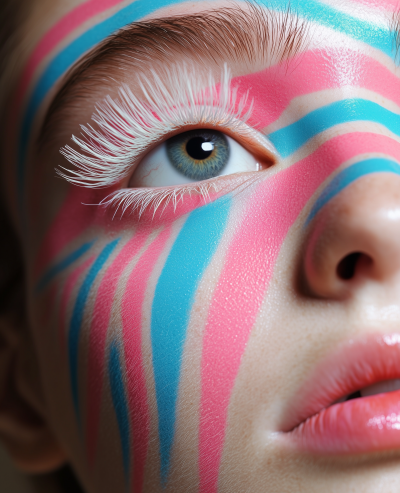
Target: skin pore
x=173 y=340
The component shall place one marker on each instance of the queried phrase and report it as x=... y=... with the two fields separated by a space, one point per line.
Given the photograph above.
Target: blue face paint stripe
x=67 y=57
x=118 y=396
x=312 y=10
x=348 y=176
x=376 y=36
x=56 y=269
x=77 y=316
x=289 y=139
x=172 y=303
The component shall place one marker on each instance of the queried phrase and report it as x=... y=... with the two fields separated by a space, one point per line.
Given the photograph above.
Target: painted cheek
x=237 y=299
x=98 y=335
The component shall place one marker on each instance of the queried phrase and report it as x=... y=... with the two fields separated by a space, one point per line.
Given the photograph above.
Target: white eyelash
x=140 y=199
x=127 y=126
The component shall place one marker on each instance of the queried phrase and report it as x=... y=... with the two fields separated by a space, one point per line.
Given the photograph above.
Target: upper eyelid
x=251 y=33
x=253 y=141
x=133 y=125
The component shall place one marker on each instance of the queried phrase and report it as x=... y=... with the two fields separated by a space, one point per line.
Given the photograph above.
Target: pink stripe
x=379 y=4
x=254 y=250
x=72 y=220
x=63 y=28
x=66 y=294
x=98 y=336
x=359 y=70
x=132 y=306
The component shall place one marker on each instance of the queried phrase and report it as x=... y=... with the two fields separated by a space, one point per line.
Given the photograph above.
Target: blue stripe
x=66 y=58
x=119 y=402
x=77 y=316
x=289 y=139
x=348 y=176
x=49 y=275
x=173 y=300
x=377 y=37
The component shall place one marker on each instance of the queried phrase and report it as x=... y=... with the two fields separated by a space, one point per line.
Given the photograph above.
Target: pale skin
x=304 y=308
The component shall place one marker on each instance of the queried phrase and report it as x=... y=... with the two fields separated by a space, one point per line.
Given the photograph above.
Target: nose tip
x=355 y=238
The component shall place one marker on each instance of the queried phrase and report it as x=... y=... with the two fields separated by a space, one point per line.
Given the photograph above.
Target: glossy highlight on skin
x=360 y=71
x=348 y=176
x=313 y=424
x=229 y=324
x=289 y=139
x=254 y=250
x=375 y=36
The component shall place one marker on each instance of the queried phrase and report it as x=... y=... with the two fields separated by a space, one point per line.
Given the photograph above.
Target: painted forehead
x=108 y=16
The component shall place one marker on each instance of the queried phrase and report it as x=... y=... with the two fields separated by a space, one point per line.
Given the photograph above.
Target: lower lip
x=362 y=425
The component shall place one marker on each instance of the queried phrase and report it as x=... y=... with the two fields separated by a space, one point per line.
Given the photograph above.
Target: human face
x=186 y=339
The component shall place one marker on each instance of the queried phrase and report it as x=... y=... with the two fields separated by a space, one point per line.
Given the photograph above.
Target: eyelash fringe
x=141 y=199
x=128 y=126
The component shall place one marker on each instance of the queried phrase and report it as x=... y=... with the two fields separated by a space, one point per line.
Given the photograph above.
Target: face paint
x=98 y=335
x=119 y=401
x=66 y=262
x=77 y=316
x=247 y=270
x=229 y=325
x=376 y=36
x=289 y=139
x=360 y=70
x=67 y=226
x=173 y=299
x=348 y=176
x=386 y=4
x=70 y=283
x=132 y=312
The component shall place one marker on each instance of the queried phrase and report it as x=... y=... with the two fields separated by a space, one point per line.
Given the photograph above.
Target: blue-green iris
x=199 y=154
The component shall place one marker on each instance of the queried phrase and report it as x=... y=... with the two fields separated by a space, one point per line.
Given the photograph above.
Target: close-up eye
x=193 y=156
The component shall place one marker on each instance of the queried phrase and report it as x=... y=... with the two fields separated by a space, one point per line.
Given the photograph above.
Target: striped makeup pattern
x=117 y=355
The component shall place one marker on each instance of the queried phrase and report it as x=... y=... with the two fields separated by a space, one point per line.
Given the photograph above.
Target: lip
x=315 y=423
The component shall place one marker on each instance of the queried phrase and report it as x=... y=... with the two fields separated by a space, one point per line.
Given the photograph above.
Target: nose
x=355 y=237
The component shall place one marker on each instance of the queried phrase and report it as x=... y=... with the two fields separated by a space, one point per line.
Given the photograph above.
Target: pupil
x=199 y=148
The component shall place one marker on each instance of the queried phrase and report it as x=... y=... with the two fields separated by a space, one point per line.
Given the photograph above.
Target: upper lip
x=357 y=364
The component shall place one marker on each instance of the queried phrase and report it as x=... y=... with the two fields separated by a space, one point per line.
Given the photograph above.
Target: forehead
x=65 y=32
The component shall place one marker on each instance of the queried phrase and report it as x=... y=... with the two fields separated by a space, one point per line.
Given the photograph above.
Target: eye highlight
x=192 y=156
x=124 y=147
x=199 y=154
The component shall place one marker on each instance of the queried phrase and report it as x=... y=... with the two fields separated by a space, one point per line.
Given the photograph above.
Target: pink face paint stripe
x=70 y=283
x=63 y=28
x=379 y=4
x=132 y=313
x=98 y=335
x=365 y=72
x=67 y=226
x=235 y=306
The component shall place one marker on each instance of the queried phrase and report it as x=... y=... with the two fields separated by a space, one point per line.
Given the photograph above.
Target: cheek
x=123 y=308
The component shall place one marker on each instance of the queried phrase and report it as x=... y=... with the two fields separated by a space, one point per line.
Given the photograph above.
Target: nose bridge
x=355 y=223
x=349 y=175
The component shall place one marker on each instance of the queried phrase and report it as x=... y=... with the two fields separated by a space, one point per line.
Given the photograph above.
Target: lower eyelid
x=144 y=201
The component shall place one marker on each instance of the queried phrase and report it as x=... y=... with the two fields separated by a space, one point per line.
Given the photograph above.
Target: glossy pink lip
x=367 y=424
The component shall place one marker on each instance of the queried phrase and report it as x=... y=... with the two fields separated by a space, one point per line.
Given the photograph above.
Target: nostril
x=347 y=266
